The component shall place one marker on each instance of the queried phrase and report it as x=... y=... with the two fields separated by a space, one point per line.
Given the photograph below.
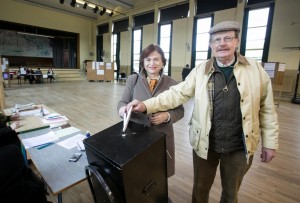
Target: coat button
x=239 y=83
x=242 y=100
x=246 y=136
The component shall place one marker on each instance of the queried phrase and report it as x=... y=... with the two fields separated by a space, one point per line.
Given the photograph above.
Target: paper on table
x=55 y=120
x=52 y=116
x=58 y=124
x=126 y=119
x=66 y=131
x=39 y=140
x=72 y=141
x=35 y=111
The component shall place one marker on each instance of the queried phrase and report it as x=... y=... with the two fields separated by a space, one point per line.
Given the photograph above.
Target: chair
x=122 y=77
x=102 y=186
x=45 y=76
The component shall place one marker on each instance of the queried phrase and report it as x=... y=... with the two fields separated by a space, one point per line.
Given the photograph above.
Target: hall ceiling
x=118 y=6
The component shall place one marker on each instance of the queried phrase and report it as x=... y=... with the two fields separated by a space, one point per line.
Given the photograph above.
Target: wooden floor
x=92 y=106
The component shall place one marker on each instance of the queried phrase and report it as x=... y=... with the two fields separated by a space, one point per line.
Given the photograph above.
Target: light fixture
x=32 y=34
x=85 y=4
x=95 y=9
x=73 y=3
x=103 y=11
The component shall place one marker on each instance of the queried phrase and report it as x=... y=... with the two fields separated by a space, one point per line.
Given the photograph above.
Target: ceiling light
x=85 y=5
x=73 y=3
x=95 y=9
x=103 y=11
x=61 y=1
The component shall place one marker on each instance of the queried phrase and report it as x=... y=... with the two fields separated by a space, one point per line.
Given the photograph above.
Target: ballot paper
x=72 y=141
x=23 y=107
x=54 y=119
x=66 y=131
x=126 y=119
x=39 y=140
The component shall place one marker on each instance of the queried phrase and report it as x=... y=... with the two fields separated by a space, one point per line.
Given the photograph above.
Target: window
x=202 y=40
x=165 y=44
x=257 y=25
x=137 y=45
x=256 y=33
x=114 y=52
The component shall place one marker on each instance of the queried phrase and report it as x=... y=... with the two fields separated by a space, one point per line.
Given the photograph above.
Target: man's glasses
x=219 y=39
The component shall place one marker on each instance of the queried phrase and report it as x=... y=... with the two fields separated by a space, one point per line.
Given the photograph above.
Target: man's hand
x=137 y=106
x=160 y=117
x=267 y=154
x=15 y=125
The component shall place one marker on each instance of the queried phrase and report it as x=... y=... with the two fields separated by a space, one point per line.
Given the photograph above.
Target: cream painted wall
x=125 y=52
x=286 y=33
x=180 y=52
x=14 y=11
x=148 y=32
x=107 y=47
x=125 y=47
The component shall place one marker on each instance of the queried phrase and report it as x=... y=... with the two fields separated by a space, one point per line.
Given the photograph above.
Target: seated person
x=185 y=71
x=31 y=78
x=17 y=182
x=50 y=74
x=19 y=73
x=38 y=78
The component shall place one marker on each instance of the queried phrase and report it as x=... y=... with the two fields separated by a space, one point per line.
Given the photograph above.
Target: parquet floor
x=92 y=106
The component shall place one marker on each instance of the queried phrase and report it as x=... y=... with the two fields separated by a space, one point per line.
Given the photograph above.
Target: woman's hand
x=160 y=117
x=15 y=117
x=15 y=125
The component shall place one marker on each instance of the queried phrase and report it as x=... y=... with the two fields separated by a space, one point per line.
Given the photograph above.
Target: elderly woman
x=149 y=83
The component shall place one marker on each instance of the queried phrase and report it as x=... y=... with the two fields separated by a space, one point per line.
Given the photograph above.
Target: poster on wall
x=15 y=44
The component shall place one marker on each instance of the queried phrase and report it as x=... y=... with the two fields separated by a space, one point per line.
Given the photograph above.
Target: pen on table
x=80 y=148
x=44 y=145
x=53 y=117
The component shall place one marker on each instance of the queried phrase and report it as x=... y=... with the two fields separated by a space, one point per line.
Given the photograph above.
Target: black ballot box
x=130 y=168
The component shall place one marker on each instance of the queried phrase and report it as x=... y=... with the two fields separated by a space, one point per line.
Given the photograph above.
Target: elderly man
x=233 y=110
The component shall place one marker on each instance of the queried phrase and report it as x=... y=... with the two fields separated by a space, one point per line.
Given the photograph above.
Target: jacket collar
x=209 y=68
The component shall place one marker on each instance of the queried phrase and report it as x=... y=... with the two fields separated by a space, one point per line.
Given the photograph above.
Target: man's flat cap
x=225 y=26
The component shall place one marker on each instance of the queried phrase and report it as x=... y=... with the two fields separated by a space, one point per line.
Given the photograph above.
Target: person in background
x=185 y=71
x=30 y=77
x=233 y=110
x=140 y=86
x=17 y=182
x=38 y=78
x=50 y=74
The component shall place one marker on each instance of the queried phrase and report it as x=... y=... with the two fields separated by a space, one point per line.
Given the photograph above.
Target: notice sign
x=270 y=69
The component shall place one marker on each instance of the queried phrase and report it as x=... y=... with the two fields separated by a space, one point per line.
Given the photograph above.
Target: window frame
x=266 y=46
x=168 y=64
